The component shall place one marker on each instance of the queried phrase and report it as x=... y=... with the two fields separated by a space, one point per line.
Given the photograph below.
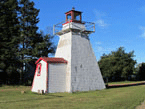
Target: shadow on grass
x=14 y=85
x=30 y=99
x=55 y=96
x=124 y=85
x=48 y=94
x=81 y=92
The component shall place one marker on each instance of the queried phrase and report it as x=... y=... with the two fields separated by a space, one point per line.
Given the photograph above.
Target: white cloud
x=101 y=23
x=98 y=43
x=142 y=28
x=99 y=14
x=142 y=9
x=102 y=50
x=100 y=19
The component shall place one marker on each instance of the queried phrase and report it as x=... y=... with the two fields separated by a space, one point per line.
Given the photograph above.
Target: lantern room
x=73 y=21
x=73 y=16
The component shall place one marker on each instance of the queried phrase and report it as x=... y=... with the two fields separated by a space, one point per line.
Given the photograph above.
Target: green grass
x=115 y=98
x=125 y=82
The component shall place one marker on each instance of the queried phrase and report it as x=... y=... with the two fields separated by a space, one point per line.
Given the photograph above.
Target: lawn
x=113 y=98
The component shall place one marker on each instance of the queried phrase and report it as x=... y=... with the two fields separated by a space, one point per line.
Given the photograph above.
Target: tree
x=28 y=28
x=117 y=65
x=28 y=23
x=141 y=71
x=32 y=44
x=20 y=41
x=9 y=38
x=45 y=46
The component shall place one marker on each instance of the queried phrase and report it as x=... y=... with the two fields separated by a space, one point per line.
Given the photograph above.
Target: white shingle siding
x=64 y=51
x=83 y=73
x=57 y=78
x=39 y=82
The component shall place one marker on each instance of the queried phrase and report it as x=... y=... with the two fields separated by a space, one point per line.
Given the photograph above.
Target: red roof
x=51 y=60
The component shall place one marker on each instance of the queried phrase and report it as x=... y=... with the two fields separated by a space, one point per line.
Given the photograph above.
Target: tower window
x=39 y=69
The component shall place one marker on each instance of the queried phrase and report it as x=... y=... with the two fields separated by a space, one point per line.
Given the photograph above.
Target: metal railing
x=89 y=26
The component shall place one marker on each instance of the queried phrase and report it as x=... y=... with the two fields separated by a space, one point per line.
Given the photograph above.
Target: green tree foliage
x=141 y=71
x=45 y=46
x=20 y=41
x=28 y=28
x=9 y=38
x=32 y=44
x=117 y=65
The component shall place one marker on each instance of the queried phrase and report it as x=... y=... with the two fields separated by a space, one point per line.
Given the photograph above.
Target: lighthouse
x=74 y=67
x=82 y=70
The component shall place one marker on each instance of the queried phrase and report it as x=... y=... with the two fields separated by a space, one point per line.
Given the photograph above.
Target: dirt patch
x=142 y=106
x=126 y=84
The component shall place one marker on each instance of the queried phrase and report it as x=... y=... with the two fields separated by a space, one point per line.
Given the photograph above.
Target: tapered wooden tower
x=82 y=71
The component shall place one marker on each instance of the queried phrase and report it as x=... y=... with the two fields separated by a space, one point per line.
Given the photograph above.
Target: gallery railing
x=89 y=27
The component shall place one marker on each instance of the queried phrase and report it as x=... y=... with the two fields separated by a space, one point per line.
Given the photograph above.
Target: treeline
x=119 y=66
x=21 y=44
x=20 y=41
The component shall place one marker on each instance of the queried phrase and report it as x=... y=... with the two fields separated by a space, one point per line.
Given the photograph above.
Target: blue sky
x=118 y=22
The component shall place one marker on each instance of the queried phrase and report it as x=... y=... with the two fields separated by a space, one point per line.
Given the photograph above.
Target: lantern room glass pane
x=69 y=17
x=77 y=17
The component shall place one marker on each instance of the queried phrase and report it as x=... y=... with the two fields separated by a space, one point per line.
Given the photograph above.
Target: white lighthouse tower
x=82 y=70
